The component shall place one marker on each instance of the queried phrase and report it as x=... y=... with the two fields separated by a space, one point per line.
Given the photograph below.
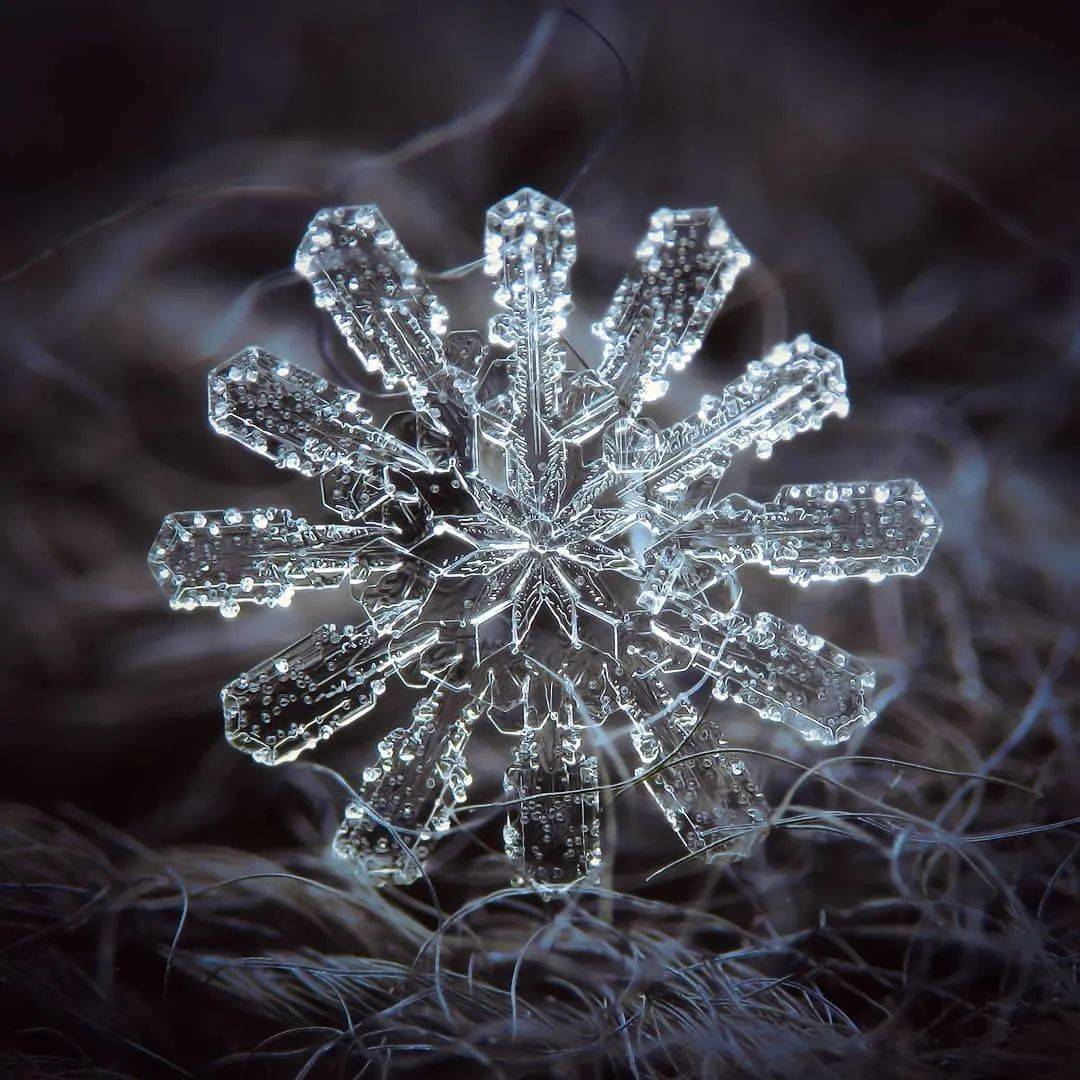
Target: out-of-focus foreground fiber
x=907 y=178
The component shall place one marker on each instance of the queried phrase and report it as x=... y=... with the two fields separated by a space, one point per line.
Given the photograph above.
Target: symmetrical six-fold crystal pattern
x=527 y=553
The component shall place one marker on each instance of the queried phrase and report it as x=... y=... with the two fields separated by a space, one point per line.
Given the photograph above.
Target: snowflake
x=524 y=548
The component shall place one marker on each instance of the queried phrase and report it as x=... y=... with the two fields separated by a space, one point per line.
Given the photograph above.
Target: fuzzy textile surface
x=907 y=178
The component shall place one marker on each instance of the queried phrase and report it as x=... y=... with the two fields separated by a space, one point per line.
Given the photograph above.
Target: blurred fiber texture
x=907 y=178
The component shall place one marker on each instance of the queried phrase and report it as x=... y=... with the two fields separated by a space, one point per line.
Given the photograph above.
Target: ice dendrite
x=527 y=552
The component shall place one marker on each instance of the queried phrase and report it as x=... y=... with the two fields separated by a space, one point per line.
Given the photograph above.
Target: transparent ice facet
x=528 y=554
x=705 y=792
x=552 y=832
x=380 y=303
x=778 y=669
x=530 y=247
x=224 y=558
x=684 y=269
x=316 y=686
x=411 y=790
x=298 y=419
x=821 y=532
x=793 y=677
x=792 y=390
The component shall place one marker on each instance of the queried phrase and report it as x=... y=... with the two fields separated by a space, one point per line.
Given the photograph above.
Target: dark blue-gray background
x=907 y=176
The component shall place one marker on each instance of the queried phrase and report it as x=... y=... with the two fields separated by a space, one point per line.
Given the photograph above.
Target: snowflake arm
x=410 y=792
x=530 y=249
x=387 y=313
x=307 y=692
x=653 y=472
x=822 y=532
x=776 y=668
x=224 y=558
x=552 y=831
x=794 y=389
x=686 y=264
x=299 y=420
x=704 y=791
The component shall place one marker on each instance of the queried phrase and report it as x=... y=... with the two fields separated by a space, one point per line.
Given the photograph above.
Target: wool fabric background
x=906 y=176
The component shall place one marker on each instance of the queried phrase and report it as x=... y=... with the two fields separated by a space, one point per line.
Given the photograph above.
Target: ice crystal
x=526 y=550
